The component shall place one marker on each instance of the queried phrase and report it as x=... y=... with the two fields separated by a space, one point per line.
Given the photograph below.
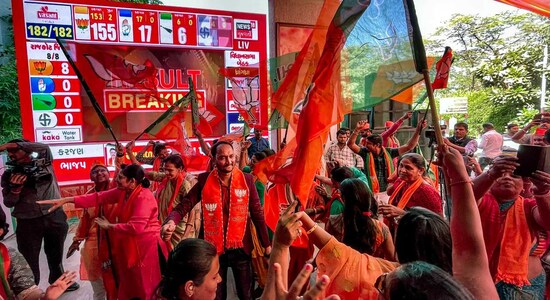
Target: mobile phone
x=532 y=158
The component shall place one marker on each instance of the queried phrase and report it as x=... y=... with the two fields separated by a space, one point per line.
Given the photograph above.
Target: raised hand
x=361 y=124
x=541 y=182
x=503 y=164
x=452 y=162
x=289 y=227
x=131 y=145
x=315 y=293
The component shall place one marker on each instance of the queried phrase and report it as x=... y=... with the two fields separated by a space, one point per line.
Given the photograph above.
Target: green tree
x=10 y=115
x=497 y=63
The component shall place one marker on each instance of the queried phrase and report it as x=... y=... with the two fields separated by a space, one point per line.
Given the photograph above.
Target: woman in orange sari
x=411 y=190
x=135 y=237
x=514 y=228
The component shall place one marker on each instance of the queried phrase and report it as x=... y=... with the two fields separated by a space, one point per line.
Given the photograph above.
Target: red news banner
x=181 y=43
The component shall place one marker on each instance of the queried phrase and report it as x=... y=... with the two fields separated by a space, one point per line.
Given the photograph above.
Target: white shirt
x=491 y=143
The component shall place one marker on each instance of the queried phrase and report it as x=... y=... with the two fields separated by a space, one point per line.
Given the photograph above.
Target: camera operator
x=28 y=178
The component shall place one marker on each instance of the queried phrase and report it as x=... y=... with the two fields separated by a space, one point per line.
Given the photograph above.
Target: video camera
x=430 y=134
x=35 y=169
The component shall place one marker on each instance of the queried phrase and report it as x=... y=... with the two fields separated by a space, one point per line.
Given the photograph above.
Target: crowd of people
x=374 y=224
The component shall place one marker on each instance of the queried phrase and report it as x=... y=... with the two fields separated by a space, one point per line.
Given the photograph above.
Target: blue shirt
x=257 y=146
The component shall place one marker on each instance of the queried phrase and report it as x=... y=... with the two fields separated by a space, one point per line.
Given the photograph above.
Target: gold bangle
x=312 y=229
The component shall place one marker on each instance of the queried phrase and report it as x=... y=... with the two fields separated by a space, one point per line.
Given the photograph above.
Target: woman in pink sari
x=135 y=233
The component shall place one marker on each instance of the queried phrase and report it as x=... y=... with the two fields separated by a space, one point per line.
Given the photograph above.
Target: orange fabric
x=404 y=200
x=541 y=7
x=372 y=170
x=301 y=74
x=352 y=274
x=124 y=213
x=514 y=247
x=179 y=182
x=156 y=168
x=212 y=207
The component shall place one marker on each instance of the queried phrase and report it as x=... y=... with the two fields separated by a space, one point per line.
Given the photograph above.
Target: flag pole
x=93 y=100
x=422 y=66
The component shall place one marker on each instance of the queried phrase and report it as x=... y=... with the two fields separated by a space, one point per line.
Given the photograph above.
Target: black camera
x=35 y=169
x=429 y=133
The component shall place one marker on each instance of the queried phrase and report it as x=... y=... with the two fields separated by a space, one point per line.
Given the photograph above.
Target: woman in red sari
x=410 y=190
x=135 y=233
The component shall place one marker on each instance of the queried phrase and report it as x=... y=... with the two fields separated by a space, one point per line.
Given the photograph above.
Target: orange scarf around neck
x=371 y=176
x=175 y=193
x=406 y=197
x=212 y=207
x=513 y=262
x=156 y=168
x=123 y=213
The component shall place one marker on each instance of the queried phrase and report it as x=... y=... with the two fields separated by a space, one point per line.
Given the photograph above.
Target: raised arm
x=396 y=125
x=130 y=152
x=243 y=160
x=541 y=191
x=501 y=164
x=139 y=156
x=519 y=136
x=470 y=263
x=204 y=146
x=413 y=141
x=352 y=141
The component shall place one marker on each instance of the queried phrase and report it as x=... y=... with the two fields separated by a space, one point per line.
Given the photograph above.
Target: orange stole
x=212 y=205
x=156 y=168
x=406 y=197
x=371 y=176
x=163 y=184
x=514 y=248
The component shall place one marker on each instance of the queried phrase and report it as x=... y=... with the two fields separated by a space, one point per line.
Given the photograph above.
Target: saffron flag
x=291 y=92
x=443 y=68
x=327 y=101
x=541 y=7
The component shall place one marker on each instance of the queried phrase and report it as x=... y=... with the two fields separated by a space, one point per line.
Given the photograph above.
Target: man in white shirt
x=491 y=143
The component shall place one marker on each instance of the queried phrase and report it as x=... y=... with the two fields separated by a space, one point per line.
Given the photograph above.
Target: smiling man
x=229 y=202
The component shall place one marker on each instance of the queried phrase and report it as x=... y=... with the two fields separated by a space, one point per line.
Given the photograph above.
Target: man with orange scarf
x=511 y=226
x=379 y=159
x=229 y=202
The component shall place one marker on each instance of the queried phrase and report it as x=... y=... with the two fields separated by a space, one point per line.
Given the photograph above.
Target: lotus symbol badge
x=240 y=193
